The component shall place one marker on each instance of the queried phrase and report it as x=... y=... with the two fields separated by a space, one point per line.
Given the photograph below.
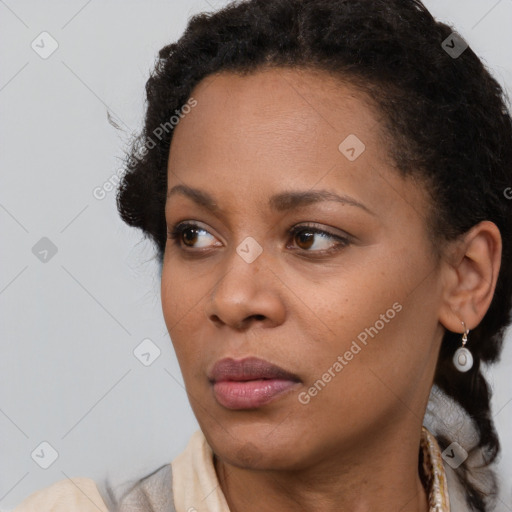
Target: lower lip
x=250 y=394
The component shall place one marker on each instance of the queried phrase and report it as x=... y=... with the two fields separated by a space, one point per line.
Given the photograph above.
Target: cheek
x=182 y=309
x=183 y=291
x=170 y=288
x=372 y=319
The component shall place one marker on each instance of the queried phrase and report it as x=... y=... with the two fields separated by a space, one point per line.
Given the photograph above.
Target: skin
x=354 y=446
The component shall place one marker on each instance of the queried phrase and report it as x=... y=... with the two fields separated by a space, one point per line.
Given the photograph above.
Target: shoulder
x=77 y=494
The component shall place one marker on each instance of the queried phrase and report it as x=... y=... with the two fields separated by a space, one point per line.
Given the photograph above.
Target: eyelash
x=343 y=242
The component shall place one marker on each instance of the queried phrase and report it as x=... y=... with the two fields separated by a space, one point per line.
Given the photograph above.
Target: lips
x=249 y=383
x=250 y=368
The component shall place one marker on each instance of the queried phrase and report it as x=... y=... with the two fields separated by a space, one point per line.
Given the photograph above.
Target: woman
x=325 y=183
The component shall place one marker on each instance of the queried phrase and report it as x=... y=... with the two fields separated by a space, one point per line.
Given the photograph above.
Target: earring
x=463 y=359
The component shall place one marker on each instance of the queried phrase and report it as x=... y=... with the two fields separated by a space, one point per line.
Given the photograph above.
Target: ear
x=470 y=275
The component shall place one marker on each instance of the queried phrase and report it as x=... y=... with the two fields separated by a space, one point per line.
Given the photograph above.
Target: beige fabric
x=194 y=483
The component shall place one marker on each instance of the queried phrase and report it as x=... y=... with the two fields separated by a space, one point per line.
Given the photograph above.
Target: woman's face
x=348 y=305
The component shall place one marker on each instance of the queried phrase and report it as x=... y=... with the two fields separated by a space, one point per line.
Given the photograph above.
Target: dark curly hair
x=446 y=117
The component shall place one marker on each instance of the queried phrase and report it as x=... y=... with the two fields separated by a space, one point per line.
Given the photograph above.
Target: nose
x=246 y=294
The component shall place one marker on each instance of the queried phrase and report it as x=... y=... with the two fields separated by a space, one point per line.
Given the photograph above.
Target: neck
x=381 y=475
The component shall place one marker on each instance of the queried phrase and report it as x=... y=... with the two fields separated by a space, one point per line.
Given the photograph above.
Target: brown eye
x=306 y=237
x=189 y=235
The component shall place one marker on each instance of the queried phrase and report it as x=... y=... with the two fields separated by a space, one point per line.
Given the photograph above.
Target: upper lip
x=250 y=368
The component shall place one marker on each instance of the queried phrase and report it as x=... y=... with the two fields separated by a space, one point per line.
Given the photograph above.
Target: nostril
x=243 y=324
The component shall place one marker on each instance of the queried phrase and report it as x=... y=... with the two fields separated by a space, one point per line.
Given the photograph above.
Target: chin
x=250 y=450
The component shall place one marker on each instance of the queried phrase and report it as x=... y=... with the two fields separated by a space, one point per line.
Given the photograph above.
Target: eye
x=305 y=236
x=188 y=233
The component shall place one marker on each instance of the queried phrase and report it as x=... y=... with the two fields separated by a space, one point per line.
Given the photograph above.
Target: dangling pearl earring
x=463 y=359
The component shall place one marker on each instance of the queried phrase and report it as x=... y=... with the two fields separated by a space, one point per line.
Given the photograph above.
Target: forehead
x=280 y=128
x=269 y=115
x=290 y=103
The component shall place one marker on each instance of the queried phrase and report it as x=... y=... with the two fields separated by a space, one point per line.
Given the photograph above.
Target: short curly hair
x=446 y=116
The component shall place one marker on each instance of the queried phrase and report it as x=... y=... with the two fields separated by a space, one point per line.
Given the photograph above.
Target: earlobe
x=470 y=277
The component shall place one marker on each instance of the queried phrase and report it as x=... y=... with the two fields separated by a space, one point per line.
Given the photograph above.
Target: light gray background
x=69 y=326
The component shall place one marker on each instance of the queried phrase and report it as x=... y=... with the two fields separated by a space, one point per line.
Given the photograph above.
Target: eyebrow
x=281 y=202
